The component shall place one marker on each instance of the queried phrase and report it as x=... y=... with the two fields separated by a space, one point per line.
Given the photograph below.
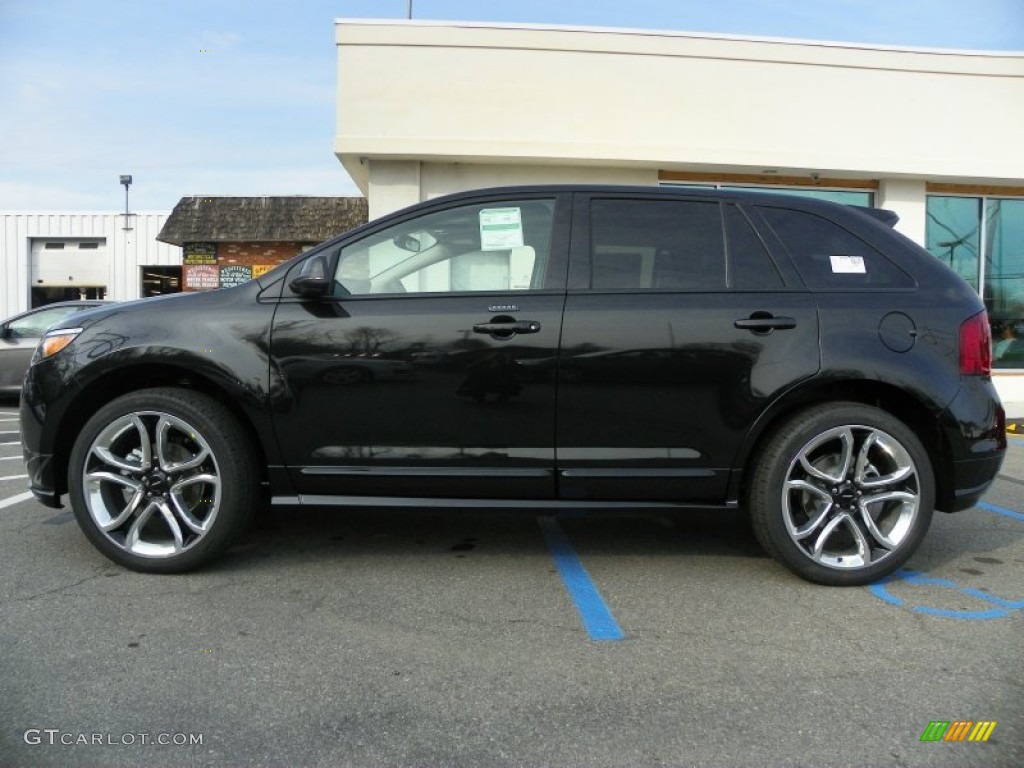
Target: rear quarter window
x=829 y=257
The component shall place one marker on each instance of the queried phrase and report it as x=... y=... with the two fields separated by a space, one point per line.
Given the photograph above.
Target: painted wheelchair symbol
x=880 y=591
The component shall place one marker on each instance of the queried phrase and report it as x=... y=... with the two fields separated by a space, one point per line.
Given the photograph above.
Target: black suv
x=546 y=348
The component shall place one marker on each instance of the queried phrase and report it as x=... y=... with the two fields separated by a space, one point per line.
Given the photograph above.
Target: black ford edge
x=545 y=348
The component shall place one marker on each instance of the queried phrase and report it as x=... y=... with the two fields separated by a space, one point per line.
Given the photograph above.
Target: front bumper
x=39 y=463
x=39 y=468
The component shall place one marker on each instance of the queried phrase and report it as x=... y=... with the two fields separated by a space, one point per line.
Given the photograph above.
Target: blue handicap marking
x=880 y=591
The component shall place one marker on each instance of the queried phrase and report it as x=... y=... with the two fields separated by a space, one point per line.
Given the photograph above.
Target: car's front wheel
x=842 y=495
x=162 y=480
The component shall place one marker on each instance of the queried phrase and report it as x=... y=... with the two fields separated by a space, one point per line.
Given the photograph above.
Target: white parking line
x=10 y=458
x=16 y=499
x=16 y=443
x=13 y=477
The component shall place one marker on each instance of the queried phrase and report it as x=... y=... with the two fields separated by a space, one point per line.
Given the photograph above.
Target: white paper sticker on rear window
x=849 y=265
x=500 y=229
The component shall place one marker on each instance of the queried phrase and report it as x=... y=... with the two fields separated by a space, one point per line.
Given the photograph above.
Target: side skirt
x=552 y=505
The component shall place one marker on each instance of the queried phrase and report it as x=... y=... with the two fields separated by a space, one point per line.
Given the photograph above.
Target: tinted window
x=831 y=258
x=500 y=246
x=750 y=266
x=656 y=245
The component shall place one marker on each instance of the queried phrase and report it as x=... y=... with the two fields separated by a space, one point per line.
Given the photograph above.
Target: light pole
x=408 y=9
x=126 y=179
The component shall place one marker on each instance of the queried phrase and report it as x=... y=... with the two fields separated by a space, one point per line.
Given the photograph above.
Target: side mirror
x=312 y=281
x=310 y=286
x=409 y=243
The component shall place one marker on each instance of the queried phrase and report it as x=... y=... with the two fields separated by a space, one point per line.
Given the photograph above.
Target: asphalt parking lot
x=454 y=638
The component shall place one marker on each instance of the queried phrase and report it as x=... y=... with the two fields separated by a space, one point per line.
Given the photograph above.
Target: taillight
x=976 y=346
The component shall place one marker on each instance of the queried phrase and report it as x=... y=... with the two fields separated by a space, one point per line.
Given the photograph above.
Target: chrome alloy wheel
x=152 y=484
x=850 y=497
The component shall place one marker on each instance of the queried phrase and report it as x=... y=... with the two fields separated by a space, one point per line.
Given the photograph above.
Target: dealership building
x=429 y=108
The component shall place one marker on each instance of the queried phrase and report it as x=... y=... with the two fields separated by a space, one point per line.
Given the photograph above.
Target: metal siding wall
x=14 y=297
x=128 y=251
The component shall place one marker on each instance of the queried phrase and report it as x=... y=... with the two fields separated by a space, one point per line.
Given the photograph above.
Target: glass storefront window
x=849 y=197
x=1004 y=280
x=953 y=234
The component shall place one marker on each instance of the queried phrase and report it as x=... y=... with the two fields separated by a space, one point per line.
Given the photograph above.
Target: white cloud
x=46 y=196
x=218 y=41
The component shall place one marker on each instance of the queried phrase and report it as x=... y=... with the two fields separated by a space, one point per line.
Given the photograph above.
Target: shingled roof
x=208 y=219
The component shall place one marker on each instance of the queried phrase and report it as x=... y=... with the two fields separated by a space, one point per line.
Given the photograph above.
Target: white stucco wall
x=461 y=92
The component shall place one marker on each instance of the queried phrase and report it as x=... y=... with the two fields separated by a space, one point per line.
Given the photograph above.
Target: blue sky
x=236 y=97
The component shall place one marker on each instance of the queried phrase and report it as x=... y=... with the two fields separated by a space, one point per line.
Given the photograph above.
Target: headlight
x=54 y=341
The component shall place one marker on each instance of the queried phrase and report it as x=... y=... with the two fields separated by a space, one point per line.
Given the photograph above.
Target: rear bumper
x=973 y=478
x=975 y=427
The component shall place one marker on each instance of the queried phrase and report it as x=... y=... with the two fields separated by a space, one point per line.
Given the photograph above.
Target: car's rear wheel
x=842 y=495
x=162 y=480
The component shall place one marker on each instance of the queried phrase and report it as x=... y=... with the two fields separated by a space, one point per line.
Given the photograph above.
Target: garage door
x=69 y=262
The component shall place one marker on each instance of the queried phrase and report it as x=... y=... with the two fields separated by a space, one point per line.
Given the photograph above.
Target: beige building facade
x=425 y=109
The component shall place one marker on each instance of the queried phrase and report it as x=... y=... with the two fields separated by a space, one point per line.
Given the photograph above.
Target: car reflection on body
x=348 y=369
x=359 y=369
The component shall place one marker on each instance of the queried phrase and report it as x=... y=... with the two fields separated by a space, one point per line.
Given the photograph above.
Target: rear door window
x=642 y=245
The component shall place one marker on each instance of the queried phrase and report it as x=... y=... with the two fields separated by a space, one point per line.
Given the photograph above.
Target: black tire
x=796 y=499
x=192 y=501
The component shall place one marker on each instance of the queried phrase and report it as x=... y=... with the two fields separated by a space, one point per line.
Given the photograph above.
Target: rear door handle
x=764 y=322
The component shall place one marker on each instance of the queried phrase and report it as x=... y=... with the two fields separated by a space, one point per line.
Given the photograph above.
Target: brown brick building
x=228 y=240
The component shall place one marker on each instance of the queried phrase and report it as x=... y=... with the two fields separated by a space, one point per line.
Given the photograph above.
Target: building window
x=953 y=234
x=847 y=196
x=982 y=239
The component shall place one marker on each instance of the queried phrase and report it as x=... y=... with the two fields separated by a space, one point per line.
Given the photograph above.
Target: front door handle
x=765 y=322
x=506 y=328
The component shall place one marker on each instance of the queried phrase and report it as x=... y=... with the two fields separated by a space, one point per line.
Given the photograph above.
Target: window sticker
x=501 y=229
x=848 y=265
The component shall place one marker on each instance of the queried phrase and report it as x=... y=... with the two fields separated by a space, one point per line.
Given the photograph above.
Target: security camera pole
x=126 y=179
